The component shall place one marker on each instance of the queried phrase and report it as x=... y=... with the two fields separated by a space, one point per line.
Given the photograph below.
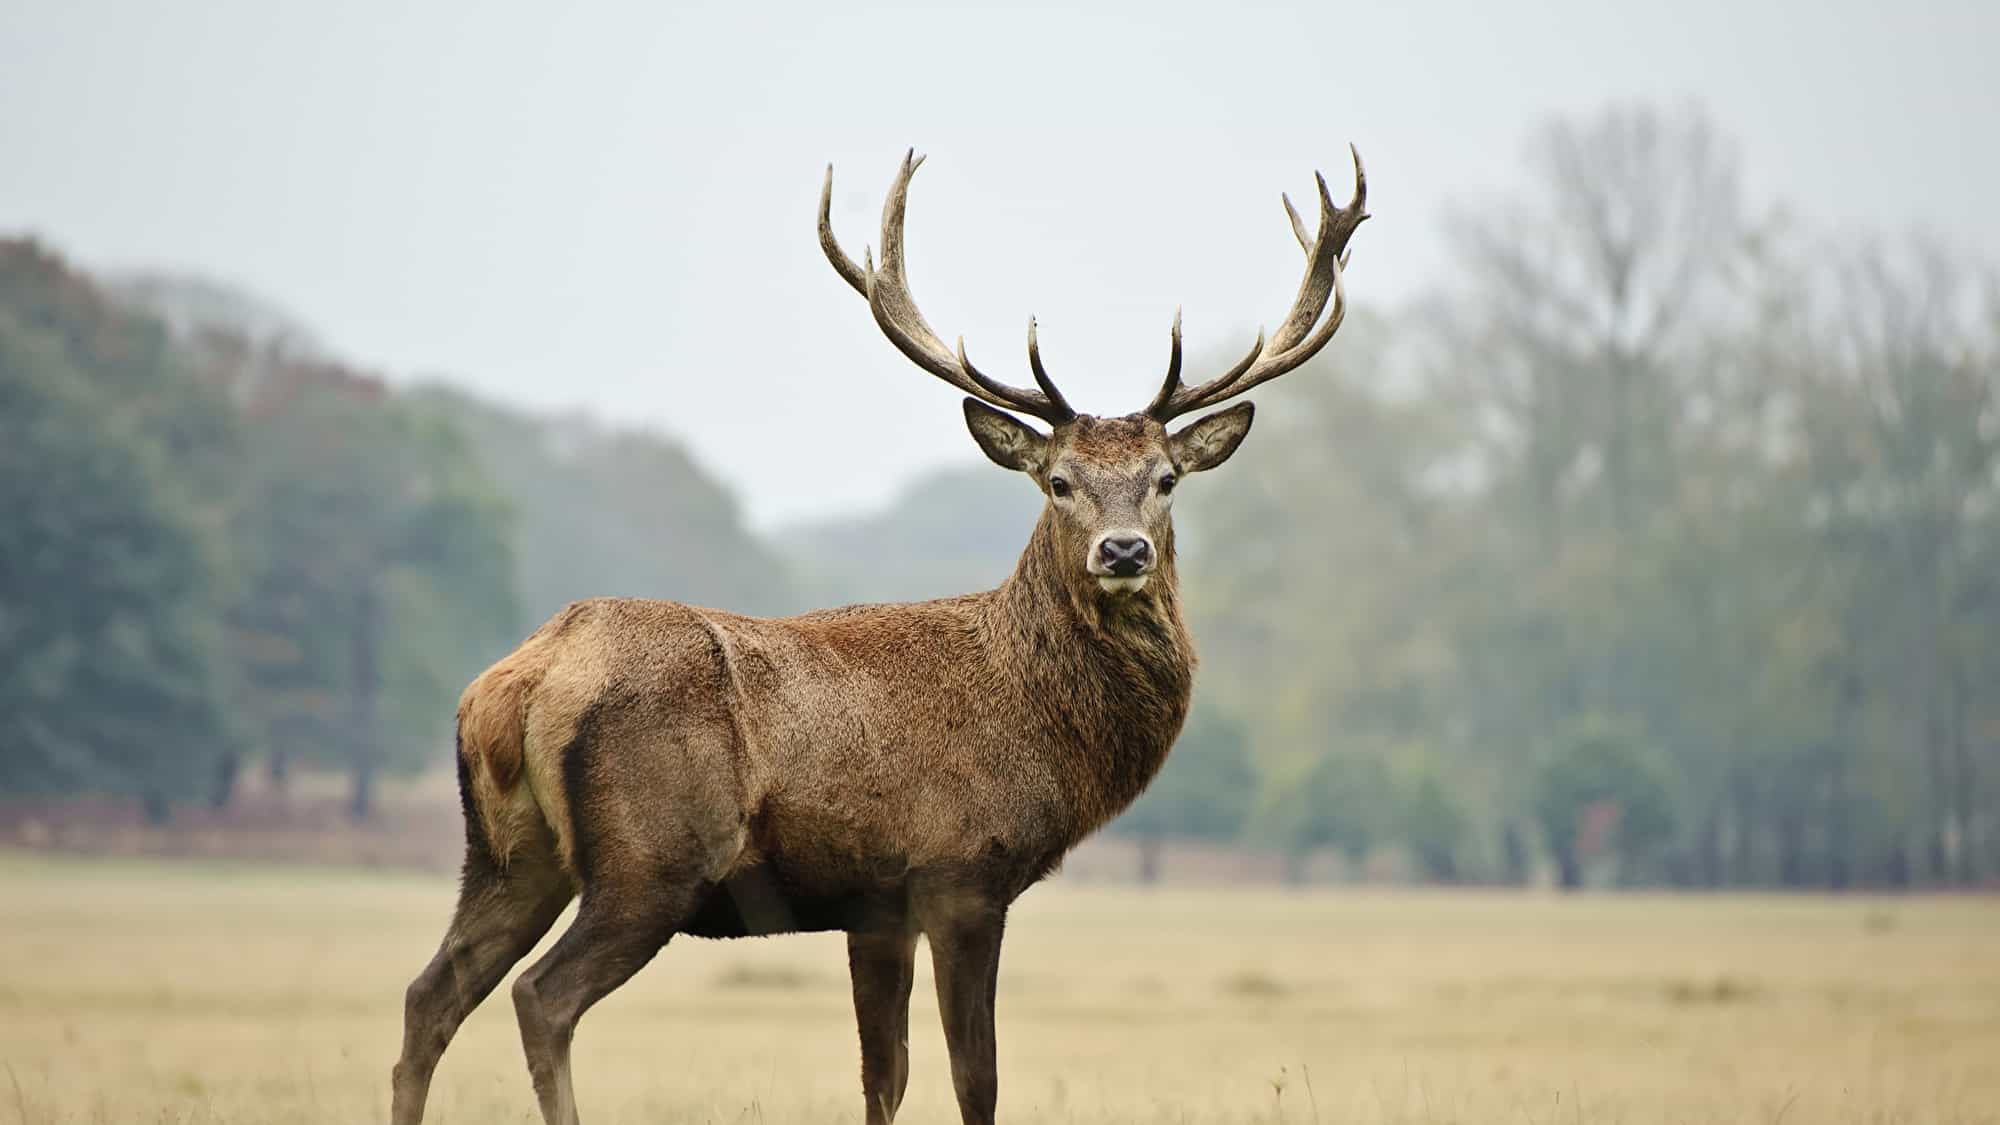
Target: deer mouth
x=1115 y=584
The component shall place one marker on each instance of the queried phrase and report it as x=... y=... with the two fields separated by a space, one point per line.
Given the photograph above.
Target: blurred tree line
x=1661 y=540
x=220 y=544
x=1659 y=543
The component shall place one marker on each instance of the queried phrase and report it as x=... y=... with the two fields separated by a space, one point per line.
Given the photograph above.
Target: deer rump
x=740 y=749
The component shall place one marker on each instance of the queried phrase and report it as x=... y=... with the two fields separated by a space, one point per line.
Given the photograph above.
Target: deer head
x=1110 y=481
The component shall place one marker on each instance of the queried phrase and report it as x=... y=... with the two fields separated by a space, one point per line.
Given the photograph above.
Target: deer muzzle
x=1122 y=561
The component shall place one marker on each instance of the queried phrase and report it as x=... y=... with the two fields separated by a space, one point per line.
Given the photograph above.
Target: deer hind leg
x=638 y=807
x=881 y=964
x=618 y=929
x=501 y=914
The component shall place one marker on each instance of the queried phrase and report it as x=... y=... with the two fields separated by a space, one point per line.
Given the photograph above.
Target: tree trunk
x=223 y=791
x=1937 y=812
x=1840 y=857
x=1569 y=868
x=1618 y=455
x=1744 y=861
x=365 y=714
x=361 y=799
x=1792 y=850
x=1962 y=781
x=1295 y=868
x=1839 y=832
x=1709 y=861
x=1514 y=854
x=1150 y=847
x=1897 y=869
x=1440 y=865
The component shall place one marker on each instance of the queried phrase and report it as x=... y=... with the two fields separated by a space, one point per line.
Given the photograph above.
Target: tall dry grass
x=145 y=992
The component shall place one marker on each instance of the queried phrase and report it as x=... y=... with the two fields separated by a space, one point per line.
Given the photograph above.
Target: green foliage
x=214 y=546
x=1344 y=800
x=1433 y=823
x=381 y=573
x=614 y=512
x=111 y=567
x=948 y=532
x=217 y=520
x=1206 y=788
x=1602 y=789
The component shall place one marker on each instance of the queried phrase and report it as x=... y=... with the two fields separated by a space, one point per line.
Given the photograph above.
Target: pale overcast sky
x=611 y=206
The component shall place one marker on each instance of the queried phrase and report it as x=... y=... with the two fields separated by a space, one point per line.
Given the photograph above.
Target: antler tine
x=1355 y=206
x=1291 y=212
x=1297 y=340
x=1172 y=385
x=1173 y=397
x=1275 y=365
x=1317 y=284
x=1358 y=204
x=895 y=310
x=892 y=311
x=1042 y=380
x=842 y=264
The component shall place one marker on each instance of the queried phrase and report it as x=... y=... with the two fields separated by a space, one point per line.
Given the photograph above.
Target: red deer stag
x=885 y=770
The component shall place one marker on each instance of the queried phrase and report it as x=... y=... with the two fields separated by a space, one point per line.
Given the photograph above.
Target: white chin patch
x=1111 y=584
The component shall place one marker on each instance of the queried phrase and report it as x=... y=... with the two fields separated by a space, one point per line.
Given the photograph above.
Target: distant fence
x=412 y=828
x=416 y=826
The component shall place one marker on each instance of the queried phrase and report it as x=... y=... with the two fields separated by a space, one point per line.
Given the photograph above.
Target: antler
x=888 y=294
x=1296 y=340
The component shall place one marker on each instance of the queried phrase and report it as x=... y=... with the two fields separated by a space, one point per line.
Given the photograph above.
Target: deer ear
x=1010 y=442
x=1208 y=442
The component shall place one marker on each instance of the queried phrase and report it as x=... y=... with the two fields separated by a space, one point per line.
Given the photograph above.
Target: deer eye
x=1058 y=487
x=1167 y=483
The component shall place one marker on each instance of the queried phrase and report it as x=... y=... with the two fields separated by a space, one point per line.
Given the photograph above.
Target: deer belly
x=760 y=900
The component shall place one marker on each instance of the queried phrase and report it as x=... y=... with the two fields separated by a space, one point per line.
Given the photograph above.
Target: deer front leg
x=965 y=954
x=882 y=964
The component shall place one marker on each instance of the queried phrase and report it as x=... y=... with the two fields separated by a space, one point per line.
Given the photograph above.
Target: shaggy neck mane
x=1107 y=676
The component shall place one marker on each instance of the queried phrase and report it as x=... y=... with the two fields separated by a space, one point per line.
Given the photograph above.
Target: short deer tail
x=500 y=811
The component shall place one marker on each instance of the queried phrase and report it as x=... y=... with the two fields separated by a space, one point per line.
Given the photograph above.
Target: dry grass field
x=149 y=992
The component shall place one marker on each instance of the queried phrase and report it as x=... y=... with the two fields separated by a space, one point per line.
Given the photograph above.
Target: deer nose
x=1125 y=555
